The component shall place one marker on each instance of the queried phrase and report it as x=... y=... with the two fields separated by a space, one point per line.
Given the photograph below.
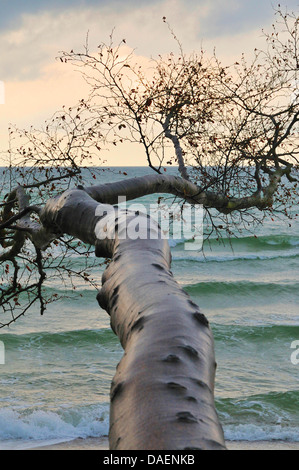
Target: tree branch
x=177 y=146
x=20 y=215
x=136 y=187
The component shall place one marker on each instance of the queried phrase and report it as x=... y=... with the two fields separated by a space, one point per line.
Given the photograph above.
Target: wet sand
x=102 y=444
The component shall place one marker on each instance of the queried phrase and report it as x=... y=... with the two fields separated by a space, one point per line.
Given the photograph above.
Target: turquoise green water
x=55 y=382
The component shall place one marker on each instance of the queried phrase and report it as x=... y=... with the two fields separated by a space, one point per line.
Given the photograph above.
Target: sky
x=33 y=32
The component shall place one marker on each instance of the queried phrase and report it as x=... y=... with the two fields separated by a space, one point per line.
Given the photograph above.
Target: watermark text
x=179 y=222
x=295 y=354
x=2 y=353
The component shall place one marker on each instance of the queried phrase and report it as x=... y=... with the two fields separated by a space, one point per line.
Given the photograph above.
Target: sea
x=57 y=369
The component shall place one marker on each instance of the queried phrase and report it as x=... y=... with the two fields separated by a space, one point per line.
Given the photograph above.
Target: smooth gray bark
x=133 y=188
x=162 y=393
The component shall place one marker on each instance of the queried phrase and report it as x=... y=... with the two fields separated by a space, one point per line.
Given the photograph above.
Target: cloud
x=37 y=84
x=37 y=39
x=233 y=17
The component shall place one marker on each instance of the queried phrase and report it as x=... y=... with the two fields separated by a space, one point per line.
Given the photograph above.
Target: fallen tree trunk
x=133 y=188
x=162 y=393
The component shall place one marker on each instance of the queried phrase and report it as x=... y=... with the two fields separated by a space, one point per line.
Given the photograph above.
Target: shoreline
x=101 y=444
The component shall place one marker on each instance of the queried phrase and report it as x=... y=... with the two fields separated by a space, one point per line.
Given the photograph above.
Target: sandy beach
x=102 y=444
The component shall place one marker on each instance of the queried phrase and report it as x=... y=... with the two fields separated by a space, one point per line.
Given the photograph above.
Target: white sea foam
x=237 y=257
x=19 y=429
x=253 y=432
